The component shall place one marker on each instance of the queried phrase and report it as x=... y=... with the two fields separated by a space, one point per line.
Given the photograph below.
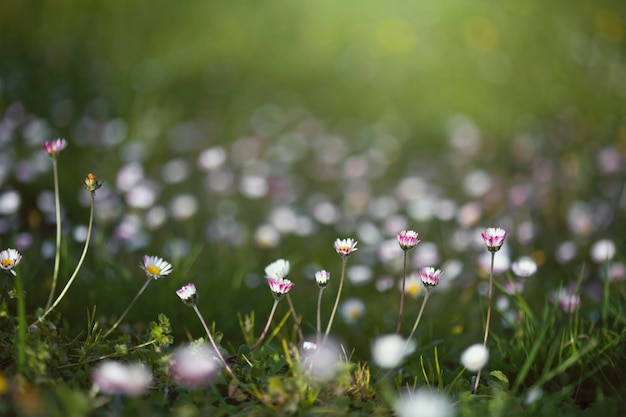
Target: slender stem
x=21 y=330
x=493 y=255
x=402 y=296
x=217 y=350
x=332 y=315
x=319 y=317
x=57 y=256
x=419 y=316
x=117 y=323
x=295 y=317
x=78 y=266
x=267 y=326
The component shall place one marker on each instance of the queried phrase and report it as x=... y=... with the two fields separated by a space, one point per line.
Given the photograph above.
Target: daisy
x=322 y=277
x=278 y=269
x=475 y=357
x=188 y=294
x=408 y=239
x=430 y=276
x=494 y=238
x=113 y=377
x=345 y=247
x=155 y=267
x=9 y=259
x=54 y=147
x=279 y=286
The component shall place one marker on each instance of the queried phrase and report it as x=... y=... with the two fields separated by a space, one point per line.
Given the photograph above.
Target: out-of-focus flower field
x=230 y=134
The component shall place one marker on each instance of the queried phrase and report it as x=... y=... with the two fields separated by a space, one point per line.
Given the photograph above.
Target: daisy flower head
x=188 y=294
x=430 y=276
x=155 y=267
x=91 y=183
x=278 y=269
x=602 y=251
x=494 y=238
x=9 y=259
x=279 y=286
x=345 y=247
x=475 y=357
x=408 y=239
x=524 y=267
x=322 y=277
x=54 y=147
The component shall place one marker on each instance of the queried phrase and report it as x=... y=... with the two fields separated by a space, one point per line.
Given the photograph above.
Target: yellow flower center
x=153 y=270
x=413 y=289
x=7 y=262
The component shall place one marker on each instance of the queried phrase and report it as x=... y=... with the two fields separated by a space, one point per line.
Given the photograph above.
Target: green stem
x=402 y=296
x=21 y=330
x=295 y=317
x=267 y=326
x=493 y=255
x=419 y=316
x=217 y=350
x=319 y=317
x=57 y=256
x=78 y=266
x=332 y=315
x=117 y=323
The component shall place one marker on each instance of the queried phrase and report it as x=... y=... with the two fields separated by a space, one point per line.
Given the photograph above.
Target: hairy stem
x=117 y=323
x=402 y=296
x=493 y=255
x=267 y=326
x=332 y=315
x=78 y=266
x=217 y=351
x=57 y=256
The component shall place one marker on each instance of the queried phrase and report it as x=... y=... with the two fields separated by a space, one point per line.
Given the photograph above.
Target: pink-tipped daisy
x=279 y=286
x=408 y=239
x=430 y=276
x=277 y=269
x=188 y=294
x=155 y=267
x=9 y=259
x=54 y=147
x=494 y=238
x=322 y=277
x=345 y=247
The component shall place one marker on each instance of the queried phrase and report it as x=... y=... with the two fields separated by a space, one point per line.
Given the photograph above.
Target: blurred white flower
x=475 y=357
x=195 y=366
x=113 y=377
x=423 y=403
x=524 y=267
x=602 y=251
x=389 y=351
x=352 y=309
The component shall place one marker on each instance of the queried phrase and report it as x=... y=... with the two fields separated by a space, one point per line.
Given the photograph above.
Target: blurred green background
x=397 y=71
x=407 y=64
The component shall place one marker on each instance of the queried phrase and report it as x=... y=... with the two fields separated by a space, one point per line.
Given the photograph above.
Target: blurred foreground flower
x=113 y=377
x=423 y=403
x=195 y=366
x=390 y=350
x=475 y=357
x=9 y=259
